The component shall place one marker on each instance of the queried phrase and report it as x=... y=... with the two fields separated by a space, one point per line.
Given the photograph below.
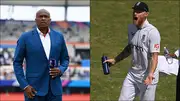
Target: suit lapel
x=52 y=36
x=39 y=43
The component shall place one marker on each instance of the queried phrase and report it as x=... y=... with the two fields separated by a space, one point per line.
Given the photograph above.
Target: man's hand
x=149 y=79
x=54 y=72
x=30 y=91
x=111 y=61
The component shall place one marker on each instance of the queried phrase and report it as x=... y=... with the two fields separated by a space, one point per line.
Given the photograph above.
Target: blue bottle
x=105 y=66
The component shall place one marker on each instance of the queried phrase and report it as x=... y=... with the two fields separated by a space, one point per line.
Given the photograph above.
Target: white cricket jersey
x=143 y=42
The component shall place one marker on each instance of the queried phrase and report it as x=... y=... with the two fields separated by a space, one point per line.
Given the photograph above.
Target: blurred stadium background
x=109 y=23
x=72 y=18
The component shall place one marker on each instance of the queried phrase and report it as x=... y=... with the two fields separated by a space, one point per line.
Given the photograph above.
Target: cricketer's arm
x=124 y=54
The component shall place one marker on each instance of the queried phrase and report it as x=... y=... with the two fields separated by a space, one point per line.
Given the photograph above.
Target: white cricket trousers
x=132 y=88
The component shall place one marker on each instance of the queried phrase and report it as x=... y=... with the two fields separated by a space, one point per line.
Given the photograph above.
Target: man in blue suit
x=37 y=47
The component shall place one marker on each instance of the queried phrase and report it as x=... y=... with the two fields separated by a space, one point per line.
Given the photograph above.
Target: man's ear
x=146 y=14
x=49 y=20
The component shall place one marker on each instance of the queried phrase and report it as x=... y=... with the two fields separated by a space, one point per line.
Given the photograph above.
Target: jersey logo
x=139 y=48
x=156 y=46
x=143 y=38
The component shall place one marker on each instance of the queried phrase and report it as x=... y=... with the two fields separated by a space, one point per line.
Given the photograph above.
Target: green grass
x=109 y=21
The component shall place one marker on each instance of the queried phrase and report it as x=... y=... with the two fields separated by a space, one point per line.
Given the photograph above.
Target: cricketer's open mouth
x=135 y=18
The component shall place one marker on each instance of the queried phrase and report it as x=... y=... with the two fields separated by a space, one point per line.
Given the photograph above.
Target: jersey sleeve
x=177 y=53
x=154 y=40
x=132 y=29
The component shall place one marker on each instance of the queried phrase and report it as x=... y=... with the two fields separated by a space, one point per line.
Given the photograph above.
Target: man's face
x=139 y=17
x=43 y=19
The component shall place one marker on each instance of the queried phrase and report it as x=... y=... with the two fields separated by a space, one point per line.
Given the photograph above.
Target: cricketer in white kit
x=143 y=46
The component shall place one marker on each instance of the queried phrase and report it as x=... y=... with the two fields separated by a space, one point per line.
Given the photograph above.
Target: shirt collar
x=41 y=32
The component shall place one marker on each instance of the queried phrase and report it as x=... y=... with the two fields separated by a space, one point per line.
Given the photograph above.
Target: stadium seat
x=85 y=63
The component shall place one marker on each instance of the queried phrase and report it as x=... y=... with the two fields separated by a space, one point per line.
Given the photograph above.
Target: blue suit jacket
x=30 y=48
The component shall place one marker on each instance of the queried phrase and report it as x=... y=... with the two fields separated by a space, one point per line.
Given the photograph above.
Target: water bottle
x=169 y=59
x=105 y=65
x=166 y=52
